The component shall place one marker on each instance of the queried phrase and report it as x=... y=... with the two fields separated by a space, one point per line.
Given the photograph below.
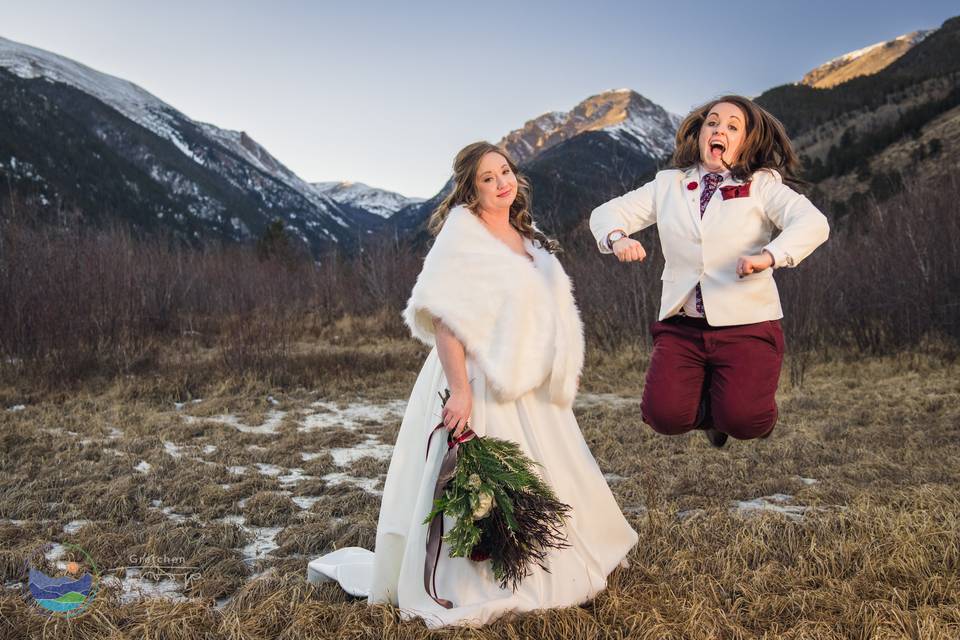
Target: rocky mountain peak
x=622 y=113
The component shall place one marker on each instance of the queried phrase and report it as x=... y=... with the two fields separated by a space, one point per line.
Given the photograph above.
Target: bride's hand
x=456 y=412
x=629 y=250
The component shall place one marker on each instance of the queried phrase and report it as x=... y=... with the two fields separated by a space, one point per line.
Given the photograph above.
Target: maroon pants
x=737 y=367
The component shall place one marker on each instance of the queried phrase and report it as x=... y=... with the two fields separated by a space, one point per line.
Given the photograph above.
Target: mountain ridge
x=864 y=61
x=223 y=184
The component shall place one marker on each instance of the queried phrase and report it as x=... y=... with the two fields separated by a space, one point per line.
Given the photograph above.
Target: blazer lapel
x=692 y=196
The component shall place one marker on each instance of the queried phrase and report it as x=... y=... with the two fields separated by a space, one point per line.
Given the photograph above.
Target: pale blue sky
x=387 y=92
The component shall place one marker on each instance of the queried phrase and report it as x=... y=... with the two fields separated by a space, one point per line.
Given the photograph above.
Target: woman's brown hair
x=765 y=144
x=464 y=193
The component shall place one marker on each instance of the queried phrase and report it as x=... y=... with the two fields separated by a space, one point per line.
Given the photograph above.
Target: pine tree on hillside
x=274 y=242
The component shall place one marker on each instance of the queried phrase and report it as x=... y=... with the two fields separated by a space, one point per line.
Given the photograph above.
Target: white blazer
x=706 y=251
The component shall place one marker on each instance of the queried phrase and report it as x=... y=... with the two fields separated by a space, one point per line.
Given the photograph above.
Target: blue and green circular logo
x=68 y=595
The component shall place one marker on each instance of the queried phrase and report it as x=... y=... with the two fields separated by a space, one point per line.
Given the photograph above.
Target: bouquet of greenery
x=504 y=511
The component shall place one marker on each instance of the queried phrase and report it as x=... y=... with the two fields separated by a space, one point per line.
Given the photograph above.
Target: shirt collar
x=724 y=175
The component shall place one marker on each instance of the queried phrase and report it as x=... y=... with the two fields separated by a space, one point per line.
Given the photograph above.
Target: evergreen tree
x=274 y=243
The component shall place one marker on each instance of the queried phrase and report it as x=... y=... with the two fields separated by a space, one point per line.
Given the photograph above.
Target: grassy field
x=208 y=493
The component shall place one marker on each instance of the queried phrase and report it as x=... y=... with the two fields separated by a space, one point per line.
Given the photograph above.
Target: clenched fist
x=751 y=264
x=629 y=250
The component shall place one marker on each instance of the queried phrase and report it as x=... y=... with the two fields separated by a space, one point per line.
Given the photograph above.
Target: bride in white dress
x=498 y=308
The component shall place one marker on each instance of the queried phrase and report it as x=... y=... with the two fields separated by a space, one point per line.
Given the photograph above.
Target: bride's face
x=496 y=183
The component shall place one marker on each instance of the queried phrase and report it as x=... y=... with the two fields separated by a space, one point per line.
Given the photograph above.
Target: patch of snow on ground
x=370 y=448
x=175 y=517
x=293 y=477
x=352 y=415
x=263 y=543
x=608 y=399
x=263 y=537
x=613 y=477
x=305 y=502
x=268 y=469
x=53 y=554
x=74 y=525
x=367 y=484
x=270 y=425
x=778 y=503
x=172 y=449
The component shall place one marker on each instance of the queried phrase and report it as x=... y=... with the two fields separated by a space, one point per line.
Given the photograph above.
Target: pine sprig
x=503 y=509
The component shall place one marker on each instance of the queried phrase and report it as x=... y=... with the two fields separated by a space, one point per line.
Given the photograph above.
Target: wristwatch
x=613 y=236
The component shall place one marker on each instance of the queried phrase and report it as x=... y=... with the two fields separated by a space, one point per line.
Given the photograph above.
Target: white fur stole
x=516 y=319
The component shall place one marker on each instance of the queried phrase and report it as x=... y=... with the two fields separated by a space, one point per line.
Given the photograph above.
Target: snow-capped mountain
x=863 y=62
x=357 y=194
x=212 y=182
x=623 y=114
x=579 y=158
x=83 y=140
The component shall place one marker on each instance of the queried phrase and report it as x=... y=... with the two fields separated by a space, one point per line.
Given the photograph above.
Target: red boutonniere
x=735 y=191
x=692 y=186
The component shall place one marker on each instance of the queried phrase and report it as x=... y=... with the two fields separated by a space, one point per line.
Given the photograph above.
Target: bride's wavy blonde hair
x=464 y=193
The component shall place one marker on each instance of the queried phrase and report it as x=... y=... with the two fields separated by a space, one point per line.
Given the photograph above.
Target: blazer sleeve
x=803 y=227
x=630 y=212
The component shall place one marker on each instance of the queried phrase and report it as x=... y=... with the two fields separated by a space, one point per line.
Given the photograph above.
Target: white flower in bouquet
x=483 y=505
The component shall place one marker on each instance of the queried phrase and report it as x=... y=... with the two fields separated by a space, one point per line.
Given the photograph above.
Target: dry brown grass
x=875 y=556
x=268 y=509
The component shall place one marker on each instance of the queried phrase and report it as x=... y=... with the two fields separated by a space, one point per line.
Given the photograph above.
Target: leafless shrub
x=81 y=302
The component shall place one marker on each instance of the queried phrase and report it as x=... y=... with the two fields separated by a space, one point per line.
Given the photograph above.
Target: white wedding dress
x=544 y=427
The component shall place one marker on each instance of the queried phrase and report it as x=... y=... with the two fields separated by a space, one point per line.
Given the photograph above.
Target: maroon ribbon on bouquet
x=448 y=468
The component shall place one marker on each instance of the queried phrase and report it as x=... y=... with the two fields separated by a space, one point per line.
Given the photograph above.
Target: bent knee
x=669 y=421
x=744 y=423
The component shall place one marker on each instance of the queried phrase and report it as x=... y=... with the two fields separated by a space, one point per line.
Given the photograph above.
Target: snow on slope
x=378 y=201
x=865 y=61
x=150 y=112
x=622 y=113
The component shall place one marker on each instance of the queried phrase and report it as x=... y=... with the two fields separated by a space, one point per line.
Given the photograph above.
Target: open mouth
x=717 y=148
